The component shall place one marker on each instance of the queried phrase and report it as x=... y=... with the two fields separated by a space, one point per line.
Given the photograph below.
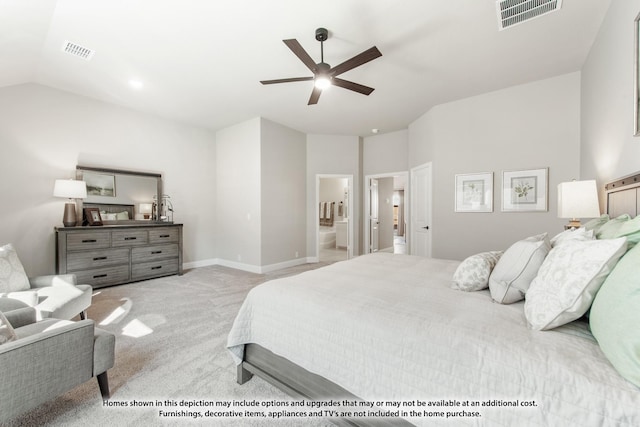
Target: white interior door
x=421 y=210
x=374 y=221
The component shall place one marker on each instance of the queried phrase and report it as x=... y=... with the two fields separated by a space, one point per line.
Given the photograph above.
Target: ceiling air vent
x=514 y=12
x=77 y=50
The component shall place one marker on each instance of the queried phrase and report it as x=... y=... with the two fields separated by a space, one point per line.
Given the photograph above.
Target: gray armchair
x=49 y=358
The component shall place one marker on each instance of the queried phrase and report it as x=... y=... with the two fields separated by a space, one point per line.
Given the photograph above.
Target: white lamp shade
x=70 y=189
x=578 y=199
x=145 y=208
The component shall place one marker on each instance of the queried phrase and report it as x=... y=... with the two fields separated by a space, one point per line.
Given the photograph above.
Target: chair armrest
x=41 y=366
x=51 y=280
x=21 y=316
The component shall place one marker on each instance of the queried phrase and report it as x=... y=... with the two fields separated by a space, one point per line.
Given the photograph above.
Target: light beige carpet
x=170 y=344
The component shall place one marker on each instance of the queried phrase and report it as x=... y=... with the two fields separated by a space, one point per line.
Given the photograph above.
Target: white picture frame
x=474 y=192
x=525 y=190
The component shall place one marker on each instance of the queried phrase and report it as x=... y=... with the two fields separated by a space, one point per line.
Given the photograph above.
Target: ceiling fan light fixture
x=322 y=82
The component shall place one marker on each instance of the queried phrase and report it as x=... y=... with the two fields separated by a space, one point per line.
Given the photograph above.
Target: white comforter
x=389 y=327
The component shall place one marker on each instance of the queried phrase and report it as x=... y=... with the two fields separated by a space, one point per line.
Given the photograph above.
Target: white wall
x=524 y=127
x=238 y=203
x=609 y=149
x=283 y=192
x=45 y=133
x=337 y=155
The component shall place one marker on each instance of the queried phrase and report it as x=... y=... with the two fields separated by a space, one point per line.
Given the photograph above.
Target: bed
x=391 y=331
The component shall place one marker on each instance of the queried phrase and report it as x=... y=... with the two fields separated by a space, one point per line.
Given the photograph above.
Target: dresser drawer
x=152 y=253
x=146 y=270
x=88 y=241
x=93 y=259
x=164 y=235
x=129 y=238
x=104 y=276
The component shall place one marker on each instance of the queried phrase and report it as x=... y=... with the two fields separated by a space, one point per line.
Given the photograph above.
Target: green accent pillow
x=595 y=223
x=611 y=227
x=615 y=316
x=631 y=230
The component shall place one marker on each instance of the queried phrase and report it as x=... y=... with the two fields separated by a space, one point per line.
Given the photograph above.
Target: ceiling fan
x=323 y=74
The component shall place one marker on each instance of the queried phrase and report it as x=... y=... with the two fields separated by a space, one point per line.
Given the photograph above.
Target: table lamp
x=145 y=210
x=70 y=189
x=577 y=199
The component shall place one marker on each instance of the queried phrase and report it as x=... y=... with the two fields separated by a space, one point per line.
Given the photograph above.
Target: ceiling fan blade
x=362 y=58
x=365 y=90
x=315 y=95
x=299 y=51
x=292 y=79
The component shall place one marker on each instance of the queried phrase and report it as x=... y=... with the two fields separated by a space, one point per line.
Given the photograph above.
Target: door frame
x=350 y=212
x=367 y=206
x=410 y=231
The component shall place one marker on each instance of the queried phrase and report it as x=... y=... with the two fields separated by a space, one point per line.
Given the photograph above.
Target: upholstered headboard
x=623 y=196
x=112 y=209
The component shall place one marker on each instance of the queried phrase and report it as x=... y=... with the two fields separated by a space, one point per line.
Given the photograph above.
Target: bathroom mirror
x=121 y=196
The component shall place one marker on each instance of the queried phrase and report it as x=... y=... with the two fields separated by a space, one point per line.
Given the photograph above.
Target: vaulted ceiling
x=200 y=61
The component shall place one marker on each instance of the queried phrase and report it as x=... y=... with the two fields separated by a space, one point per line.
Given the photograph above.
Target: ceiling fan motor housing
x=322 y=34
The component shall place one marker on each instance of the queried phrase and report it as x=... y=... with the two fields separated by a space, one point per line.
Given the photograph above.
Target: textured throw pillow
x=517 y=267
x=473 y=273
x=7 y=333
x=609 y=229
x=12 y=275
x=569 y=279
x=579 y=234
x=615 y=316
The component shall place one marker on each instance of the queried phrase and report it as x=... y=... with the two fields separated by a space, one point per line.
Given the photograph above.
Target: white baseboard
x=249 y=267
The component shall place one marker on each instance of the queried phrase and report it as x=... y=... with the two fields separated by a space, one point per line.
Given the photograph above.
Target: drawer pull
x=165 y=235
x=157 y=267
x=98 y=276
x=98 y=258
x=89 y=240
x=155 y=252
x=130 y=238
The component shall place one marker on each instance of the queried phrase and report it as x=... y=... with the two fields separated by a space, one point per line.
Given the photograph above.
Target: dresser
x=116 y=254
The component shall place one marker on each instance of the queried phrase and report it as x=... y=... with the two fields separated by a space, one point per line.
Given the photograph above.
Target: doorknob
x=426 y=227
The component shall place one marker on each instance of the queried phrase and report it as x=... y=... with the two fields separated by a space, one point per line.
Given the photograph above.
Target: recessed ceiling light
x=136 y=84
x=375 y=130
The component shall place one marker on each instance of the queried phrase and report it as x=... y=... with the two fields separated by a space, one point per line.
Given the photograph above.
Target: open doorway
x=386 y=202
x=334 y=225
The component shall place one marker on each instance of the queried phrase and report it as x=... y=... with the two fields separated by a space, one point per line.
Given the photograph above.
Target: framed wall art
x=525 y=190
x=474 y=192
x=100 y=184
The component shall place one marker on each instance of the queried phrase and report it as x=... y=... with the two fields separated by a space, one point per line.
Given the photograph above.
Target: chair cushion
x=62 y=300
x=12 y=275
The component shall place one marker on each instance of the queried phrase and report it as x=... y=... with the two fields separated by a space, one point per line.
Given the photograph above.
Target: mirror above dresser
x=121 y=196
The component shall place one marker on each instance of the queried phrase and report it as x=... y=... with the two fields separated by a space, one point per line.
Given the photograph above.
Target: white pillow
x=473 y=273
x=569 y=279
x=7 y=333
x=579 y=234
x=517 y=267
x=12 y=275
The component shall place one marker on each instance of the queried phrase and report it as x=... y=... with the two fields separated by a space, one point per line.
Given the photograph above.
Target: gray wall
x=524 y=127
x=238 y=194
x=45 y=133
x=283 y=191
x=386 y=153
x=609 y=149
